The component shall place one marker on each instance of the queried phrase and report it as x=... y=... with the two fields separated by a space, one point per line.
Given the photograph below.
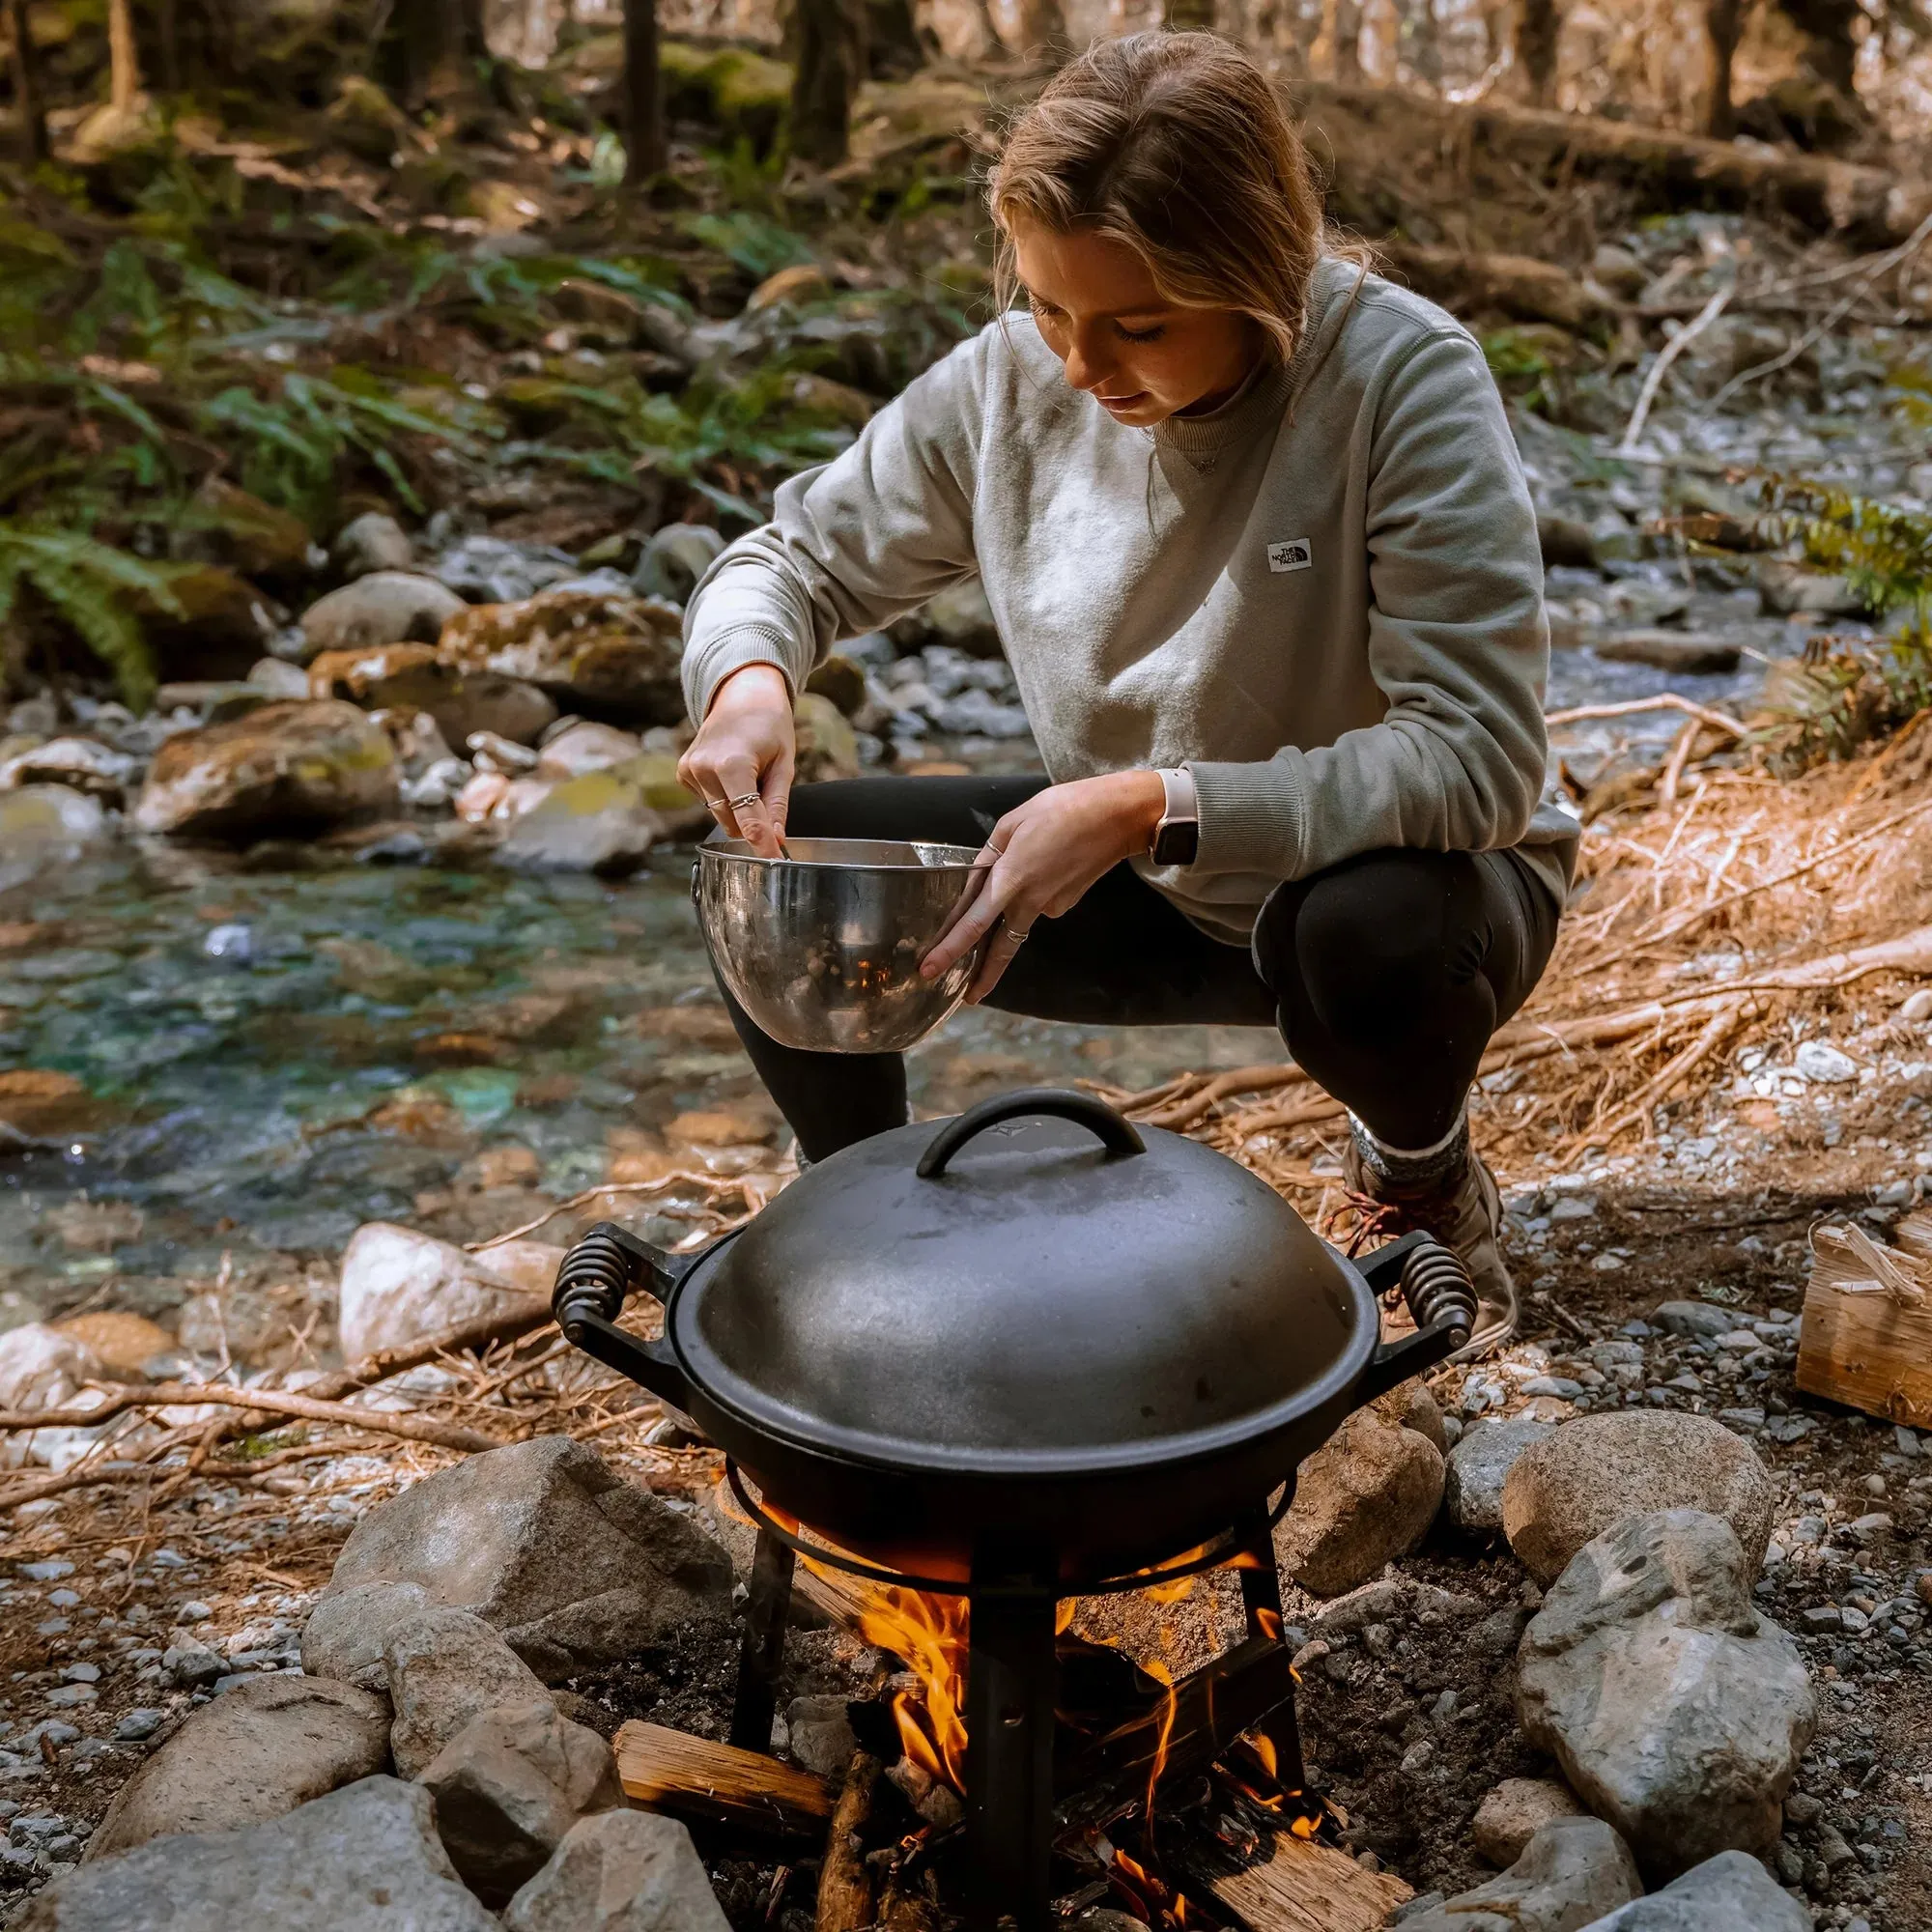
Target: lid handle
x=1117 y=1134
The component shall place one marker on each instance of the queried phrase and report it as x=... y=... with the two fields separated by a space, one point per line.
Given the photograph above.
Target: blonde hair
x=1176 y=145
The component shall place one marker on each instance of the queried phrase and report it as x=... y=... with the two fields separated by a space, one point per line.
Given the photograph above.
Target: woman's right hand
x=742 y=760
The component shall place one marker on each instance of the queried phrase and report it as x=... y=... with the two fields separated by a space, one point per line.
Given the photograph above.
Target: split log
x=690 y=1776
x=1518 y=285
x=844 y=1883
x=1302 y=1887
x=1865 y=1336
x=1671 y=171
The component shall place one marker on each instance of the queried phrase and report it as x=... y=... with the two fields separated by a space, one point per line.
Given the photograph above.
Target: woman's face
x=1137 y=355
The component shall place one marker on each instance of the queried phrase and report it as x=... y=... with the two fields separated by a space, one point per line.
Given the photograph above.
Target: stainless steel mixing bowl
x=822 y=948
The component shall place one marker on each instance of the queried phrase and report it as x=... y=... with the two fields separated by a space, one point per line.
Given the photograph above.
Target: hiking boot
x=1449 y=1193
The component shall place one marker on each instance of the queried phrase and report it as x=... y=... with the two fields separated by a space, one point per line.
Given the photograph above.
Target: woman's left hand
x=1046 y=853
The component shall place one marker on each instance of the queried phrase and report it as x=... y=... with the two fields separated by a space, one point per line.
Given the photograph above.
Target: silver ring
x=1013 y=933
x=713 y=804
x=743 y=798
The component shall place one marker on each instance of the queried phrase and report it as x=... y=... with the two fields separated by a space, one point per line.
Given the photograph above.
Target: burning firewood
x=693 y=1777
x=844 y=1883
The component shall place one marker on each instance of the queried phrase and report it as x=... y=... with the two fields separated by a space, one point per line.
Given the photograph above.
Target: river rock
x=408 y=677
x=493 y=570
x=1515 y=1811
x=254 y=537
x=444 y=1667
x=46 y=825
x=1790 y=590
x=542 y=1540
x=960 y=617
x=1674 y=1710
x=1695 y=1318
x=585 y=747
x=285 y=767
x=386 y=606
x=1365 y=1496
x=620 y=1871
x=1479 y=1464
x=596 y=823
x=675 y=560
x=510 y=1786
x=604 y=656
x=372 y=542
x=80 y=764
x=1571 y=1872
x=348 y=1630
x=826 y=746
x=1731 y=1892
x=363 y=1857
x=265 y=1746
x=1600 y=1470
x=398 y=1286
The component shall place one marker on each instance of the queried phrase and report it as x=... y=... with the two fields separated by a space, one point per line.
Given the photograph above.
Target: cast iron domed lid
x=999 y=1292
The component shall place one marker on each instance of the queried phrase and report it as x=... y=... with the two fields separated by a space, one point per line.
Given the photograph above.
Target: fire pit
x=983 y=1357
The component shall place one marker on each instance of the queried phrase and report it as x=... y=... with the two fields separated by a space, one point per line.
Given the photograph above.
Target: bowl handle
x=1117 y=1134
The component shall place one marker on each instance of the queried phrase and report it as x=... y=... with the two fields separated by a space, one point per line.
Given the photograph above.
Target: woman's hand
x=1045 y=855
x=742 y=760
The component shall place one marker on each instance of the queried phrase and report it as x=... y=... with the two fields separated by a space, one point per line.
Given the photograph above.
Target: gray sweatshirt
x=1326 y=598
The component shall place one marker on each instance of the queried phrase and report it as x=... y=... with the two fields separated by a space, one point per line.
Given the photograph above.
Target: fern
x=95 y=589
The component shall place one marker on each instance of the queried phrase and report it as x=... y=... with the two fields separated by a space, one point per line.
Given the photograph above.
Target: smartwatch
x=1177 y=838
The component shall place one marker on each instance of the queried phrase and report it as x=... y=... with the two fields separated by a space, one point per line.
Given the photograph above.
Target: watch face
x=1177 y=841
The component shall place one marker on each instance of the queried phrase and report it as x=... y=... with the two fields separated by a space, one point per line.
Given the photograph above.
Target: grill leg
x=1261 y=1595
x=761 y=1652
x=1009 y=1695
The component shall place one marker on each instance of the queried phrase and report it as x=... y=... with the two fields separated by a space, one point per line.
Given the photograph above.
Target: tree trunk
x=831 y=65
x=1537 y=33
x=124 y=85
x=27 y=102
x=1348 y=30
x=1723 y=21
x=1042 y=27
x=1831 y=33
x=1181 y=16
x=643 y=93
x=442 y=43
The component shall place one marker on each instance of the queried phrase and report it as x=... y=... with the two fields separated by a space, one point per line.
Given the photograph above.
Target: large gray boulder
x=508 y=1786
x=572 y=1565
x=1601 y=1469
x=1366 y=1495
x=364 y=1858
x=372 y=542
x=675 y=560
x=398 y=1286
x=349 y=1630
x=446 y=1667
x=385 y=607
x=1570 y=1873
x=620 y=1871
x=1515 y=1811
x=1479 y=1464
x=1731 y=1892
x=597 y=822
x=1675 y=1711
x=258 y=1751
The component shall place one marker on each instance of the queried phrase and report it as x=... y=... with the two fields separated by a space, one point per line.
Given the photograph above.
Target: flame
x=1270 y=1623
x=931 y=1634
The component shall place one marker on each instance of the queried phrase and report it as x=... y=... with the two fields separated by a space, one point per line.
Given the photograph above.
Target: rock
x=1366 y=1495
x=510 y=1786
x=491 y=570
x=1731 y=1892
x=283 y=768
x=609 y=657
x=1823 y=1065
x=1674 y=1710
x=42 y=1366
x=823 y=1738
x=364 y=1856
x=676 y=557
x=348 y=1630
x=827 y=747
x=1515 y=1811
x=277 y=678
x=1571 y=1872
x=121 y=1341
x=1790 y=590
x=399 y=1285
x=80 y=764
x=1695 y=1318
x=572 y=1565
x=256 y=1752
x=583 y=747
x=960 y=617
x=1681 y=651
x=1600 y=1470
x=1480 y=1464
x=840 y=680
x=620 y=1871
x=596 y=823
x=372 y=542
x=44 y=826
x=407 y=677
x=446 y=1667
x=386 y=606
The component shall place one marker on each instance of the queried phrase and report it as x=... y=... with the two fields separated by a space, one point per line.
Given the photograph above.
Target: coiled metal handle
x=594 y=1279
x=1437 y=1286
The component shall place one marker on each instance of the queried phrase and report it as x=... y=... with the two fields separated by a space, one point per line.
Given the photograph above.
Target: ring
x=713 y=804
x=743 y=798
x=1017 y=937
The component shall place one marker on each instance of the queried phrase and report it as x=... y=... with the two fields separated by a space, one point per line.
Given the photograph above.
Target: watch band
x=1177 y=838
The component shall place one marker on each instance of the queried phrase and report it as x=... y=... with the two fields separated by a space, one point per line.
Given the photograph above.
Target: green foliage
x=94 y=588
x=1884 y=548
x=749 y=240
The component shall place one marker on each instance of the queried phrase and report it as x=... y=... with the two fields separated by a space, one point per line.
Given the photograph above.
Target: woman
x=1259 y=545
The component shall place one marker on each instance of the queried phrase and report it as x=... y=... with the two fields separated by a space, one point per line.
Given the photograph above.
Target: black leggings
x=1386 y=973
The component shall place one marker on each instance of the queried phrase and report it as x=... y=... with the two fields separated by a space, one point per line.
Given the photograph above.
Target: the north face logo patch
x=1291 y=553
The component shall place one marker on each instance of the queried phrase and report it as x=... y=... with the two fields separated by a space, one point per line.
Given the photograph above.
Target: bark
x=1348 y=41
x=1723 y=21
x=442 y=43
x=1043 y=28
x=124 y=67
x=28 y=103
x=1538 y=31
x=643 y=93
x=830 y=37
x=1831 y=33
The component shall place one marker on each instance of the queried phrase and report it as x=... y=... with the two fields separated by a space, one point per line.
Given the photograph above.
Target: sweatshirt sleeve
x=1457 y=642
x=851 y=544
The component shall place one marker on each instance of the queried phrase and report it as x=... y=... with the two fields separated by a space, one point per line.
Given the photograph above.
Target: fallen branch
x=1654 y=377
x=272 y=1401
x=1631 y=707
x=1717 y=1031
x=712 y=1184
x=844 y=1883
x=1184 y=1112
